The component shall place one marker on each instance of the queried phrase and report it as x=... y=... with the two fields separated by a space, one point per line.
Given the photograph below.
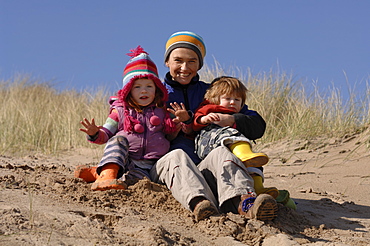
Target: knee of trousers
x=118 y=139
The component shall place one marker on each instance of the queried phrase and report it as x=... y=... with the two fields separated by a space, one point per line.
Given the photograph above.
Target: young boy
x=227 y=95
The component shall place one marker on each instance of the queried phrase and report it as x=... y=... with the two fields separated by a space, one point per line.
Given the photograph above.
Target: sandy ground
x=329 y=179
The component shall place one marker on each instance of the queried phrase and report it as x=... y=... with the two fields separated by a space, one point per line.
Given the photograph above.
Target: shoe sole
x=204 y=210
x=265 y=207
x=112 y=184
x=257 y=161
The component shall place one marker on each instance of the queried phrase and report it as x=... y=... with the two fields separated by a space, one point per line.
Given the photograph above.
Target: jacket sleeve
x=198 y=126
x=201 y=111
x=100 y=138
x=250 y=123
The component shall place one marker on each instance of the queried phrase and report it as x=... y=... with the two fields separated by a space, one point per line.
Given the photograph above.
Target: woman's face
x=183 y=64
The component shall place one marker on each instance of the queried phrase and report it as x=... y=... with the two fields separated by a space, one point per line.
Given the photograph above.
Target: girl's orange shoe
x=107 y=179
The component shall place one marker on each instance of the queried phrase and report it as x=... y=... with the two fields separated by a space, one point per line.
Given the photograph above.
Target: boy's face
x=143 y=91
x=183 y=64
x=231 y=102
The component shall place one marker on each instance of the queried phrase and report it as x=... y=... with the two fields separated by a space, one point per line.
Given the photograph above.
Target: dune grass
x=291 y=111
x=35 y=117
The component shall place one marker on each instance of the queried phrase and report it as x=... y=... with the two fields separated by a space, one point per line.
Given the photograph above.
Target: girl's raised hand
x=91 y=127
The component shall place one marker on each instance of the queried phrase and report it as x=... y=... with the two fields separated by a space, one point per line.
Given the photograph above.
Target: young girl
x=135 y=130
x=227 y=95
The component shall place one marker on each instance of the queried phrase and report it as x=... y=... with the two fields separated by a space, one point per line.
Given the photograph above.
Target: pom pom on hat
x=136 y=52
x=186 y=39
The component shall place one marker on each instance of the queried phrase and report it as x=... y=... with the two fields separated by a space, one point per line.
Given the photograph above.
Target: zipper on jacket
x=185 y=92
x=144 y=134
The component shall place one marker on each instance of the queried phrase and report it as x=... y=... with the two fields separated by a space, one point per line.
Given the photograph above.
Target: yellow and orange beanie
x=186 y=39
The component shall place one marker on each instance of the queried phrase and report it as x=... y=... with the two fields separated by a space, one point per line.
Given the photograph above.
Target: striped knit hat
x=185 y=39
x=140 y=66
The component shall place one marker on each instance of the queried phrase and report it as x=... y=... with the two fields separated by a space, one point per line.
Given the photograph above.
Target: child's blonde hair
x=225 y=85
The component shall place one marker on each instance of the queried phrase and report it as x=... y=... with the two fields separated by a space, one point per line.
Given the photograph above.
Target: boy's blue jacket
x=248 y=122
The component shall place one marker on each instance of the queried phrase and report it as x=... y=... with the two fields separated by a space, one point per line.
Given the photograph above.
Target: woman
x=220 y=182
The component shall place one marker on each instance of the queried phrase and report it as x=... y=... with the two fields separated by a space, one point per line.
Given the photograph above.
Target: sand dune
x=329 y=179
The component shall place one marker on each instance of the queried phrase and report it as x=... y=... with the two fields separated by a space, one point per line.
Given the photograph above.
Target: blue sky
x=83 y=43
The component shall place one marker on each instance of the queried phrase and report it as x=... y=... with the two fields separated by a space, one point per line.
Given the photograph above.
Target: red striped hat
x=140 y=66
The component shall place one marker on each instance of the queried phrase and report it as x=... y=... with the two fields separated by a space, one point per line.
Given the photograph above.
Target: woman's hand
x=225 y=120
x=179 y=111
x=209 y=118
x=91 y=127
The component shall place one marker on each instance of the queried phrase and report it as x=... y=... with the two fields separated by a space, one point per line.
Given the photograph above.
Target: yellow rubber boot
x=243 y=151
x=260 y=189
x=108 y=179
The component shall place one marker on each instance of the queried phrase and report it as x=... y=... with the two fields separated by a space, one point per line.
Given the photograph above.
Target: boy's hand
x=91 y=128
x=179 y=111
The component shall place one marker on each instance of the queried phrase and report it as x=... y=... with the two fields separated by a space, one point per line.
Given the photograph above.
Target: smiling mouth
x=184 y=74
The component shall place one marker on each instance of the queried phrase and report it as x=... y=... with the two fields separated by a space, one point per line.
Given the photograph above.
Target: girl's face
x=183 y=64
x=231 y=102
x=143 y=91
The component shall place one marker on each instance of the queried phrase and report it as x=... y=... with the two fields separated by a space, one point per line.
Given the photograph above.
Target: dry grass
x=36 y=117
x=292 y=112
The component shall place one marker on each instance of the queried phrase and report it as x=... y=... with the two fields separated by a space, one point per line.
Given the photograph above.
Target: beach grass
x=35 y=117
